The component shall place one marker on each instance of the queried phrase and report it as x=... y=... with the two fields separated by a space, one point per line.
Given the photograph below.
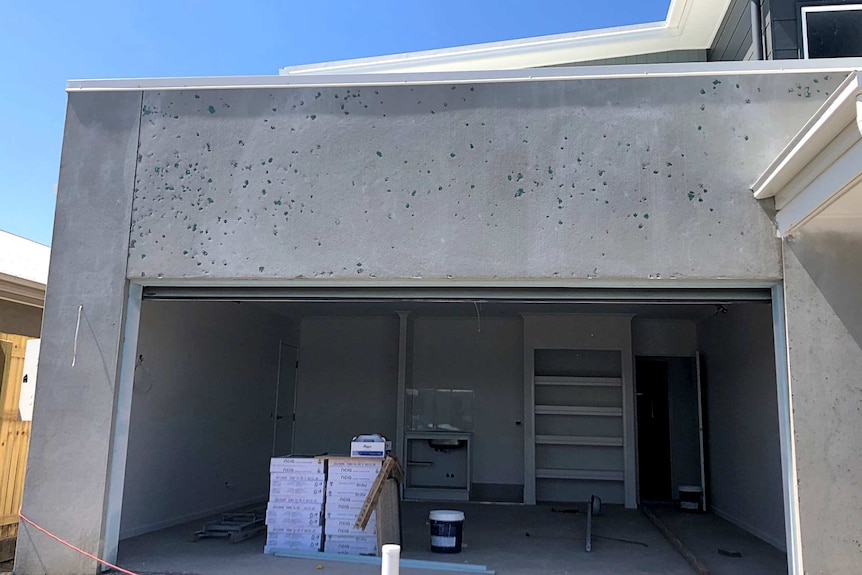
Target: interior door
x=285 y=399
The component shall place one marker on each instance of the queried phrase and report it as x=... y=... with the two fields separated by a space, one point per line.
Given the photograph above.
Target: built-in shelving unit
x=578 y=417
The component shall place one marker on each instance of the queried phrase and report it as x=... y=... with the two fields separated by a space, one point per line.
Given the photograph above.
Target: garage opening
x=514 y=407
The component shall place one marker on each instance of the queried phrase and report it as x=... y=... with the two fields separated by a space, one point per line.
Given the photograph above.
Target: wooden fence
x=14 y=440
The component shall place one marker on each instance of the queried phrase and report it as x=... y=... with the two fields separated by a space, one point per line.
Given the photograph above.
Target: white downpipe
x=391 y=560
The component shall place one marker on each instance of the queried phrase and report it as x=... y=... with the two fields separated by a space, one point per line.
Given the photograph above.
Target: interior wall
x=200 y=434
x=743 y=452
x=487 y=357
x=664 y=337
x=347 y=383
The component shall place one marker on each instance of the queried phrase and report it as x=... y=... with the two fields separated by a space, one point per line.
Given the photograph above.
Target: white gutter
x=820 y=164
x=678 y=70
x=689 y=25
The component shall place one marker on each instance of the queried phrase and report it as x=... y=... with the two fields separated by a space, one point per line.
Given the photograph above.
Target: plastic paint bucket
x=447 y=528
x=691 y=498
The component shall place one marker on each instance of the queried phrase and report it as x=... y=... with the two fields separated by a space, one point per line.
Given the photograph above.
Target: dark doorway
x=653 y=420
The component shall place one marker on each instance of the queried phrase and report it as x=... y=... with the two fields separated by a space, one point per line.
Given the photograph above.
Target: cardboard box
x=294 y=507
x=354 y=493
x=300 y=492
x=298 y=485
x=347 y=519
x=292 y=518
x=351 y=476
x=305 y=465
x=310 y=546
x=344 y=524
x=279 y=498
x=351 y=544
x=347 y=506
x=292 y=531
x=354 y=463
x=371 y=449
x=299 y=477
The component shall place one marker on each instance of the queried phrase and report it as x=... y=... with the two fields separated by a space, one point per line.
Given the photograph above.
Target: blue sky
x=43 y=44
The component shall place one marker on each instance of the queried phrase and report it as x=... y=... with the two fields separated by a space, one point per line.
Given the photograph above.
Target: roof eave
x=690 y=25
x=816 y=167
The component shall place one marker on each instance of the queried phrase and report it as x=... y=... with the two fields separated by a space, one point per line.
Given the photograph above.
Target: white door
x=285 y=398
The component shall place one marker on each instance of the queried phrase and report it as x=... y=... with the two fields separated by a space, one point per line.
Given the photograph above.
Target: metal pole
x=391 y=560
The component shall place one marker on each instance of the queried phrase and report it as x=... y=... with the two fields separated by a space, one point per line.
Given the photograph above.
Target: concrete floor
x=705 y=534
x=509 y=539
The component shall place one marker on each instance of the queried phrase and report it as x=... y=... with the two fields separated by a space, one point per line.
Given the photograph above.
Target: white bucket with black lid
x=447 y=528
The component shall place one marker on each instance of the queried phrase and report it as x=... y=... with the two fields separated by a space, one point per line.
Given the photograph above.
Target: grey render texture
x=617 y=182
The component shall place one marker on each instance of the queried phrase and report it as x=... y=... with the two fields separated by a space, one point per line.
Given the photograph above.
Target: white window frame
x=827 y=8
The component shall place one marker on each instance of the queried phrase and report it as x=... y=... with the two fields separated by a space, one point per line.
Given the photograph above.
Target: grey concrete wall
x=743 y=451
x=455 y=353
x=70 y=446
x=20 y=319
x=200 y=434
x=484 y=181
x=474 y=182
x=664 y=337
x=823 y=328
x=347 y=381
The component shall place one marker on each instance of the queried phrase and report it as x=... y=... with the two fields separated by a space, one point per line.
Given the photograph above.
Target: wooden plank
x=13 y=453
x=388 y=516
x=675 y=542
x=389 y=465
x=18 y=498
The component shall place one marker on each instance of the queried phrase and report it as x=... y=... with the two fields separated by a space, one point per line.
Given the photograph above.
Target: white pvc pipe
x=391 y=560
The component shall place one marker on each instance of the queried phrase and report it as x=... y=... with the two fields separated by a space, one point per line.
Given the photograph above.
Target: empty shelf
x=579 y=440
x=579 y=410
x=586 y=474
x=578 y=381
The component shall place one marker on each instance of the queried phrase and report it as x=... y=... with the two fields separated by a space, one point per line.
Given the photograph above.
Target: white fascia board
x=21 y=291
x=820 y=163
x=616 y=72
x=690 y=25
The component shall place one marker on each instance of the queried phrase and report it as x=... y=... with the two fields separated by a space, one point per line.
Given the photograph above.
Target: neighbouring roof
x=690 y=25
x=23 y=270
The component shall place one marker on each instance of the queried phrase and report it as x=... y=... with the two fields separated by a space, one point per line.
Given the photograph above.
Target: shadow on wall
x=833 y=259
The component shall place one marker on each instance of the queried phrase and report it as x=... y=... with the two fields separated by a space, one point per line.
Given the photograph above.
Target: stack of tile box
x=294 y=515
x=349 y=479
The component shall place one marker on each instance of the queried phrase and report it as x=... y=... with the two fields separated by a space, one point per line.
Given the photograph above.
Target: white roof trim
x=23 y=270
x=675 y=70
x=820 y=164
x=690 y=25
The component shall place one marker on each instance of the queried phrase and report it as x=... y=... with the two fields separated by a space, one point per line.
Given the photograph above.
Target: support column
x=74 y=413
